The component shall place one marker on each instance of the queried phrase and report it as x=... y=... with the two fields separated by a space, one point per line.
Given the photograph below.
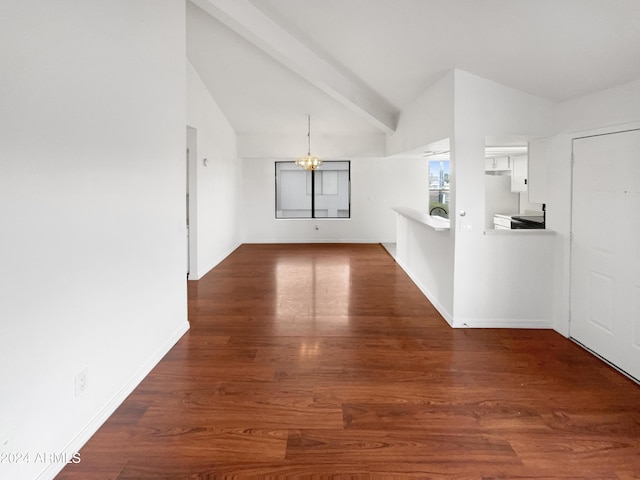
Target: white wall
x=427 y=256
x=614 y=106
x=92 y=180
x=376 y=186
x=218 y=184
x=325 y=146
x=483 y=262
x=427 y=119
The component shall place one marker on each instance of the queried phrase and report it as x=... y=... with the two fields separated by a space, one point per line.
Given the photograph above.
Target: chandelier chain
x=309 y=135
x=309 y=162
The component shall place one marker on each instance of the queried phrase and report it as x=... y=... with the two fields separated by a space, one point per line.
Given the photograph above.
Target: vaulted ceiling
x=354 y=64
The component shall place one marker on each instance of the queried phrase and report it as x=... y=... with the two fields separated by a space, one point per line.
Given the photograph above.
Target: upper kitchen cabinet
x=497 y=164
x=539 y=152
x=519 y=173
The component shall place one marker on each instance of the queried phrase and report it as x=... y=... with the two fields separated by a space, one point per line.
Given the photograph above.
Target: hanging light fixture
x=308 y=161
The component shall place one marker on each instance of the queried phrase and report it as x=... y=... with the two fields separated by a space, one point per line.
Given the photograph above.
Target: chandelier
x=308 y=161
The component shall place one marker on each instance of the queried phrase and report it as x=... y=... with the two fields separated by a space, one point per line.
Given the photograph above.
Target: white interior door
x=605 y=247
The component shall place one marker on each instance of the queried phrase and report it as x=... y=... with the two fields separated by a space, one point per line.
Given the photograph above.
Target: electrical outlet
x=465 y=226
x=82 y=382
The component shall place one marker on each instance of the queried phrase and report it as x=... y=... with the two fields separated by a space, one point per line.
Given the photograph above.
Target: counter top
x=525 y=231
x=439 y=224
x=506 y=216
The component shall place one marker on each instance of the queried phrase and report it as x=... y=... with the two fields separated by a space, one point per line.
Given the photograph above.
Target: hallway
x=326 y=361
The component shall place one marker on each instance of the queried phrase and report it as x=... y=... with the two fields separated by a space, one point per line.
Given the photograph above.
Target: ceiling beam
x=259 y=29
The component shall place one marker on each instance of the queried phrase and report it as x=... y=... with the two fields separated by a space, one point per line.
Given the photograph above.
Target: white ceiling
x=360 y=61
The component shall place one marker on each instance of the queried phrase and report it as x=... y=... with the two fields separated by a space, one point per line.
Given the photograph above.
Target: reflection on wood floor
x=326 y=361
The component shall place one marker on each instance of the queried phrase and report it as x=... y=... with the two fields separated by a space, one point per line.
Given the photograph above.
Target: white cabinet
x=501 y=222
x=539 y=152
x=519 y=173
x=497 y=164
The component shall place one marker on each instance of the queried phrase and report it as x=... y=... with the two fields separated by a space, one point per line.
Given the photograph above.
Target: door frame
x=615 y=129
x=192 y=202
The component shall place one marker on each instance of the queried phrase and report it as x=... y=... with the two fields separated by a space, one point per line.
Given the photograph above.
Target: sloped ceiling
x=358 y=62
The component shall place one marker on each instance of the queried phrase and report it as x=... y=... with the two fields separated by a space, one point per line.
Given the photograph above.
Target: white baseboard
x=102 y=416
x=441 y=310
x=537 y=323
x=310 y=240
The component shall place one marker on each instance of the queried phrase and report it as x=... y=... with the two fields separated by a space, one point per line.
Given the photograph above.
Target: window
x=439 y=188
x=321 y=193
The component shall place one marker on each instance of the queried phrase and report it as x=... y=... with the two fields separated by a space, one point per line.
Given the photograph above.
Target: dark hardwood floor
x=326 y=361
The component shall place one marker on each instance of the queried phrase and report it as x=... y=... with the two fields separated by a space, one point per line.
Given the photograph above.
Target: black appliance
x=527 y=222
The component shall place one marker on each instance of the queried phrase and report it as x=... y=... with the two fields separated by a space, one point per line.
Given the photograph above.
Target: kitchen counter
x=527 y=232
x=439 y=224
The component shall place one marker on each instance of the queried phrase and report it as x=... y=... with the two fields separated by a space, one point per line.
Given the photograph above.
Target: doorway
x=191 y=203
x=605 y=258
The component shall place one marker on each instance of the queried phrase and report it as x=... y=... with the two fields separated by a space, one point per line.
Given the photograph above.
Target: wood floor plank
x=370 y=448
x=326 y=361
x=250 y=470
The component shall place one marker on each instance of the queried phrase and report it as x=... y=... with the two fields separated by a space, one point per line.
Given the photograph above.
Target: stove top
x=527 y=221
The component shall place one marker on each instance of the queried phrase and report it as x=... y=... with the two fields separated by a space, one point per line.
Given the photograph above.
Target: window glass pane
x=332 y=196
x=329 y=182
x=439 y=188
x=292 y=199
x=331 y=185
